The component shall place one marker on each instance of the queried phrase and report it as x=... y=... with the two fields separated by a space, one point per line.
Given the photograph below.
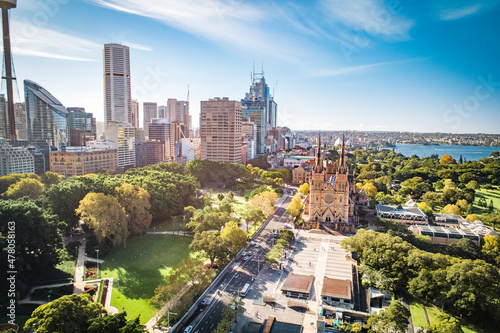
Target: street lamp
x=97 y=262
x=49 y=298
x=168 y=317
x=118 y=280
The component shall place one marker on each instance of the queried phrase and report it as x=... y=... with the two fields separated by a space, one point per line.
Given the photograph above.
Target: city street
x=206 y=319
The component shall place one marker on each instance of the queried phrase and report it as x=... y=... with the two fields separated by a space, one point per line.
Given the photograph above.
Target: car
x=249 y=253
x=246 y=258
x=252 y=243
x=188 y=329
x=257 y=245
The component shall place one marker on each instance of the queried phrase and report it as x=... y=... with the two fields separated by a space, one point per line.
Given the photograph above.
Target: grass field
x=140 y=268
x=488 y=195
x=417 y=314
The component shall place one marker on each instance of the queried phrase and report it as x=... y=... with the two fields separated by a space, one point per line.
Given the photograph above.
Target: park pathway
x=79 y=286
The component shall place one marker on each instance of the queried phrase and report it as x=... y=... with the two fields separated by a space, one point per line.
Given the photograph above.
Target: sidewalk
x=80 y=269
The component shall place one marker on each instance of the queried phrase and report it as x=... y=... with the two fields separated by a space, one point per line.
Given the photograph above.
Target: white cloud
x=31 y=40
x=449 y=10
x=353 y=69
x=370 y=16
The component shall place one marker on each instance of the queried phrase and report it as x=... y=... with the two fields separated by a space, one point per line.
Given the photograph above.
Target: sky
x=396 y=65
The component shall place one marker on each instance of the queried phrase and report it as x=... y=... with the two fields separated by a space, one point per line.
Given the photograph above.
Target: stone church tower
x=332 y=190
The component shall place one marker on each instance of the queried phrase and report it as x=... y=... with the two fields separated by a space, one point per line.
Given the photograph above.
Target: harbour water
x=469 y=153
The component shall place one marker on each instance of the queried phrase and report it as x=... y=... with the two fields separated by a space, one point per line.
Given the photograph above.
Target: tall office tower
x=134 y=106
x=4 y=118
x=47 y=118
x=179 y=111
x=259 y=107
x=15 y=159
x=162 y=111
x=123 y=136
x=150 y=111
x=163 y=130
x=80 y=120
x=220 y=129
x=117 y=100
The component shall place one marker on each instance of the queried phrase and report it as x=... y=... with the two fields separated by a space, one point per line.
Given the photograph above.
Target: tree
x=50 y=178
x=265 y=201
x=370 y=190
x=220 y=196
x=115 y=324
x=433 y=199
x=214 y=246
x=135 y=201
x=234 y=236
x=473 y=185
x=491 y=219
x=447 y=159
x=463 y=205
x=472 y=217
x=394 y=318
x=295 y=207
x=260 y=162
x=491 y=246
x=304 y=189
x=67 y=314
x=37 y=240
x=251 y=215
x=446 y=324
x=451 y=209
x=73 y=190
x=449 y=184
x=491 y=207
x=467 y=177
x=28 y=187
x=105 y=216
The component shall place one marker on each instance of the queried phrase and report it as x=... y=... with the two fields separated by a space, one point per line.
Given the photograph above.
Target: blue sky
x=334 y=64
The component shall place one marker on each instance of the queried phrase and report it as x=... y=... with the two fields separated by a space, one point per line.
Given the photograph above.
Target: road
x=206 y=319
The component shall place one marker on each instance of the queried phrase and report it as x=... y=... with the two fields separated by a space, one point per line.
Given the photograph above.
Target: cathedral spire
x=319 y=162
x=342 y=164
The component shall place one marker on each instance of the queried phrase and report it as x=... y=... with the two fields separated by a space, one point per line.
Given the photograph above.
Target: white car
x=256 y=245
x=188 y=329
x=246 y=258
x=252 y=243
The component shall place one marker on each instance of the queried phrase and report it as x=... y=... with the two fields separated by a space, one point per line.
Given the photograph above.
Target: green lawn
x=417 y=314
x=139 y=268
x=488 y=195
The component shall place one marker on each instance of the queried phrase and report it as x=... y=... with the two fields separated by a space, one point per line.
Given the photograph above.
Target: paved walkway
x=79 y=286
x=177 y=233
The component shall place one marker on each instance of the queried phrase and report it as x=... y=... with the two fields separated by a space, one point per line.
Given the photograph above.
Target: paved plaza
x=313 y=253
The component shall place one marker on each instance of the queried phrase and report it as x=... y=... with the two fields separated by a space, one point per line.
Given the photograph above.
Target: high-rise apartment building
x=150 y=112
x=15 y=159
x=220 y=130
x=117 y=99
x=20 y=115
x=162 y=111
x=179 y=111
x=259 y=107
x=163 y=130
x=47 y=118
x=123 y=136
x=134 y=106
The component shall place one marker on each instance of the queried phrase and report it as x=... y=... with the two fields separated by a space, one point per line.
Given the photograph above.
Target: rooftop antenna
x=187 y=98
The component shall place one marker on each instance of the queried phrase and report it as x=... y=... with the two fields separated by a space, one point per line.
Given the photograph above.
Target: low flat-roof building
x=337 y=292
x=298 y=285
x=406 y=215
x=448 y=220
x=446 y=235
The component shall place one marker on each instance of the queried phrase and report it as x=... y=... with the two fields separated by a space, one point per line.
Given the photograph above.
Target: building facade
x=15 y=159
x=178 y=111
x=79 y=161
x=150 y=112
x=47 y=118
x=134 y=109
x=220 y=130
x=123 y=137
x=117 y=95
x=163 y=130
x=332 y=191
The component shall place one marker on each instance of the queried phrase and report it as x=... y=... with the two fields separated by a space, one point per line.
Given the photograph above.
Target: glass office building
x=47 y=118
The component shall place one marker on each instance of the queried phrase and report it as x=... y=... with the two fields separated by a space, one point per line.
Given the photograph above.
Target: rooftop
x=298 y=283
x=336 y=288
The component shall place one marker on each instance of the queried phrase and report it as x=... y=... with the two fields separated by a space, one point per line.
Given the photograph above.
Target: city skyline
x=330 y=65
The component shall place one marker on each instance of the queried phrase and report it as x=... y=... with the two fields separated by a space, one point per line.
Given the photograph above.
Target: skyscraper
x=135 y=113
x=179 y=111
x=117 y=100
x=163 y=130
x=47 y=123
x=150 y=112
x=220 y=129
x=20 y=120
x=123 y=137
x=259 y=107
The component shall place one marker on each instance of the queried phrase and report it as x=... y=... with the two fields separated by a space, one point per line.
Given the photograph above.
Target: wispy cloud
x=449 y=10
x=31 y=40
x=354 y=69
x=370 y=16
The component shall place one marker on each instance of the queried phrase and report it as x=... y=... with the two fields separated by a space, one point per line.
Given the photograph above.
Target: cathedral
x=332 y=191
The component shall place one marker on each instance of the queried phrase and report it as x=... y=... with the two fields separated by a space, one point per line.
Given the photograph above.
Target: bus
x=245 y=289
